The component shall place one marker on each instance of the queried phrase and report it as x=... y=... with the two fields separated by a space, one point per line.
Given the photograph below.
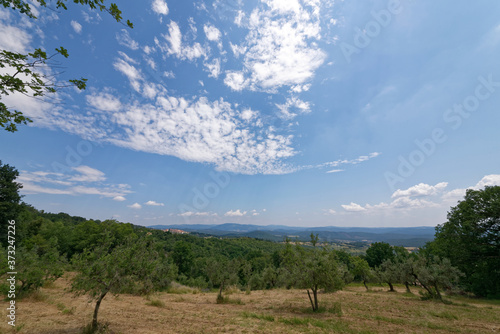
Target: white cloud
x=123 y=38
x=81 y=180
x=213 y=68
x=201 y=131
x=176 y=47
x=213 y=34
x=456 y=195
x=300 y=88
x=406 y=203
x=239 y=18
x=420 y=189
x=400 y=203
x=119 y=198
x=335 y=171
x=151 y=63
x=337 y=163
x=135 y=206
x=488 y=180
x=248 y=114
x=131 y=72
x=190 y=213
x=353 y=207
x=103 y=101
x=159 y=7
x=174 y=38
x=292 y=107
x=77 y=27
x=235 y=80
x=91 y=16
x=236 y=213
x=153 y=203
x=281 y=47
x=238 y=49
x=14 y=39
x=198 y=130
x=169 y=74
x=88 y=174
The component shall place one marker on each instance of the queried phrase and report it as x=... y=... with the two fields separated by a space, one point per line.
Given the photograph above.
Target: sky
x=291 y=112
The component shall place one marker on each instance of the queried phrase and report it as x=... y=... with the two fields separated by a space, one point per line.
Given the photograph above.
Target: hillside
x=398 y=236
x=55 y=311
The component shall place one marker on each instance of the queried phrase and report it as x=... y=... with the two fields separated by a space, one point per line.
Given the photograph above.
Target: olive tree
x=313 y=269
x=135 y=265
x=435 y=274
x=362 y=270
x=222 y=273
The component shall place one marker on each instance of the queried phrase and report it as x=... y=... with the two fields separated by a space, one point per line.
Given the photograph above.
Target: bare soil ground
x=54 y=310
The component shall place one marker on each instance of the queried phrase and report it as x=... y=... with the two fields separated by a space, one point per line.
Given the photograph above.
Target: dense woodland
x=113 y=257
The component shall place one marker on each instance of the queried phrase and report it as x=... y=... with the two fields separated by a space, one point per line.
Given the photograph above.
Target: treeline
x=50 y=244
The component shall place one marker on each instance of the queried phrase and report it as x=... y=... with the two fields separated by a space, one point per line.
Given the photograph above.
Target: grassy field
x=54 y=310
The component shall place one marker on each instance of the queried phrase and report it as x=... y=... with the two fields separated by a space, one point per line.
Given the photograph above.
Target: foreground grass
x=53 y=310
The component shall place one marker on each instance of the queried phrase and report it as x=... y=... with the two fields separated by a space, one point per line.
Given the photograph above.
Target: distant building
x=175 y=231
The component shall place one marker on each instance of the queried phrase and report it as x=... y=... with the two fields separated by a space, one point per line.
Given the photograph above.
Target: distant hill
x=400 y=236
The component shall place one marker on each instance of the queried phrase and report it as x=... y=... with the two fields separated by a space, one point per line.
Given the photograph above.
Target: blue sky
x=296 y=112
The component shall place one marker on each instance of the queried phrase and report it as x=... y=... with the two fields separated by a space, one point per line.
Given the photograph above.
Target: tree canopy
x=9 y=197
x=313 y=269
x=23 y=73
x=378 y=253
x=471 y=240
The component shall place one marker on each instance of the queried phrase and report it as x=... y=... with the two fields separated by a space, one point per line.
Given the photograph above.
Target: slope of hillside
x=399 y=236
x=54 y=310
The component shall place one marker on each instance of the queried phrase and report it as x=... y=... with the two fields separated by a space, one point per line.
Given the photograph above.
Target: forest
x=110 y=257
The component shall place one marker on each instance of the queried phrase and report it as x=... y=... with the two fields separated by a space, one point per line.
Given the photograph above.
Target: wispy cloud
x=175 y=46
x=153 y=203
x=77 y=27
x=341 y=162
x=123 y=38
x=236 y=213
x=198 y=214
x=82 y=180
x=292 y=107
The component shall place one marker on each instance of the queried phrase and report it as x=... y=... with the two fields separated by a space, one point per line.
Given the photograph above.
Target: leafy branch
x=28 y=77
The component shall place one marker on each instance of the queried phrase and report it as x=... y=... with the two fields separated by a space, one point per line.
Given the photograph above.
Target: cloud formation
x=77 y=27
x=159 y=7
x=153 y=203
x=236 y=213
x=280 y=48
x=81 y=180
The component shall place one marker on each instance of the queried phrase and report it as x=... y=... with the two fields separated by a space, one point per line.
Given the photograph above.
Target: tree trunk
x=423 y=285
x=366 y=286
x=391 y=287
x=220 y=299
x=310 y=299
x=96 y=309
x=315 y=292
x=437 y=292
x=407 y=287
x=220 y=290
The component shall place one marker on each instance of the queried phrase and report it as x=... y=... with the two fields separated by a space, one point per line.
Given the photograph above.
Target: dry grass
x=55 y=311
